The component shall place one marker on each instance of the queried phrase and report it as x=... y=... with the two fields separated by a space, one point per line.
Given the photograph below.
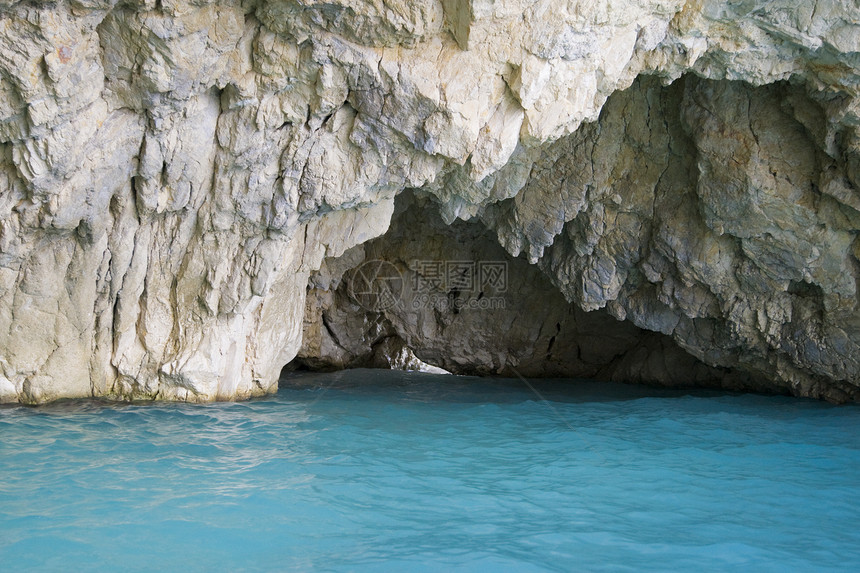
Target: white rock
x=172 y=172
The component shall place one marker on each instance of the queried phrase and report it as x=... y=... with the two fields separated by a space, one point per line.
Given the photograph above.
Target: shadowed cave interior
x=449 y=296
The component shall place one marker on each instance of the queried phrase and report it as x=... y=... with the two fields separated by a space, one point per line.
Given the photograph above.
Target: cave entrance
x=437 y=297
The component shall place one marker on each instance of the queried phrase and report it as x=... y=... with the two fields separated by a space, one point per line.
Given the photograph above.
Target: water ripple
x=379 y=471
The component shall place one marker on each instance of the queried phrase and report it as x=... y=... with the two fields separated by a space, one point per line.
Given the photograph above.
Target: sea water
x=388 y=471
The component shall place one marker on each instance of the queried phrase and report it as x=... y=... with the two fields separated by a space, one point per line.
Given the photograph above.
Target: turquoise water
x=386 y=471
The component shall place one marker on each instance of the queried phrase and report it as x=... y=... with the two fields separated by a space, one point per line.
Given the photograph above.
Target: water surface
x=387 y=471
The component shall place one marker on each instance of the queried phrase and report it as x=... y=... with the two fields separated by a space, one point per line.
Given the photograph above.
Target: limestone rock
x=173 y=172
x=460 y=302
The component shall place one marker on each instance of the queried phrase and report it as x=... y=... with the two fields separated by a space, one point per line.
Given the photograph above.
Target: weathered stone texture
x=510 y=324
x=173 y=171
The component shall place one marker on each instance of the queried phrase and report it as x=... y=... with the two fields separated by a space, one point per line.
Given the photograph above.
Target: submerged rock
x=173 y=173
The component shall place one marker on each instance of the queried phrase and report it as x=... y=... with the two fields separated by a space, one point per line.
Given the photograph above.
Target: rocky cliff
x=188 y=190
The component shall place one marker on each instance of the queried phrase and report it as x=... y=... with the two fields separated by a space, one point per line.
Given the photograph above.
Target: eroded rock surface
x=172 y=172
x=453 y=297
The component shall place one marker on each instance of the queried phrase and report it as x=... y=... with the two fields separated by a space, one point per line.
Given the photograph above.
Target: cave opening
x=435 y=297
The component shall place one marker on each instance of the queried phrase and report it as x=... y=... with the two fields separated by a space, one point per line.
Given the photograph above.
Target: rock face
x=173 y=172
x=455 y=298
